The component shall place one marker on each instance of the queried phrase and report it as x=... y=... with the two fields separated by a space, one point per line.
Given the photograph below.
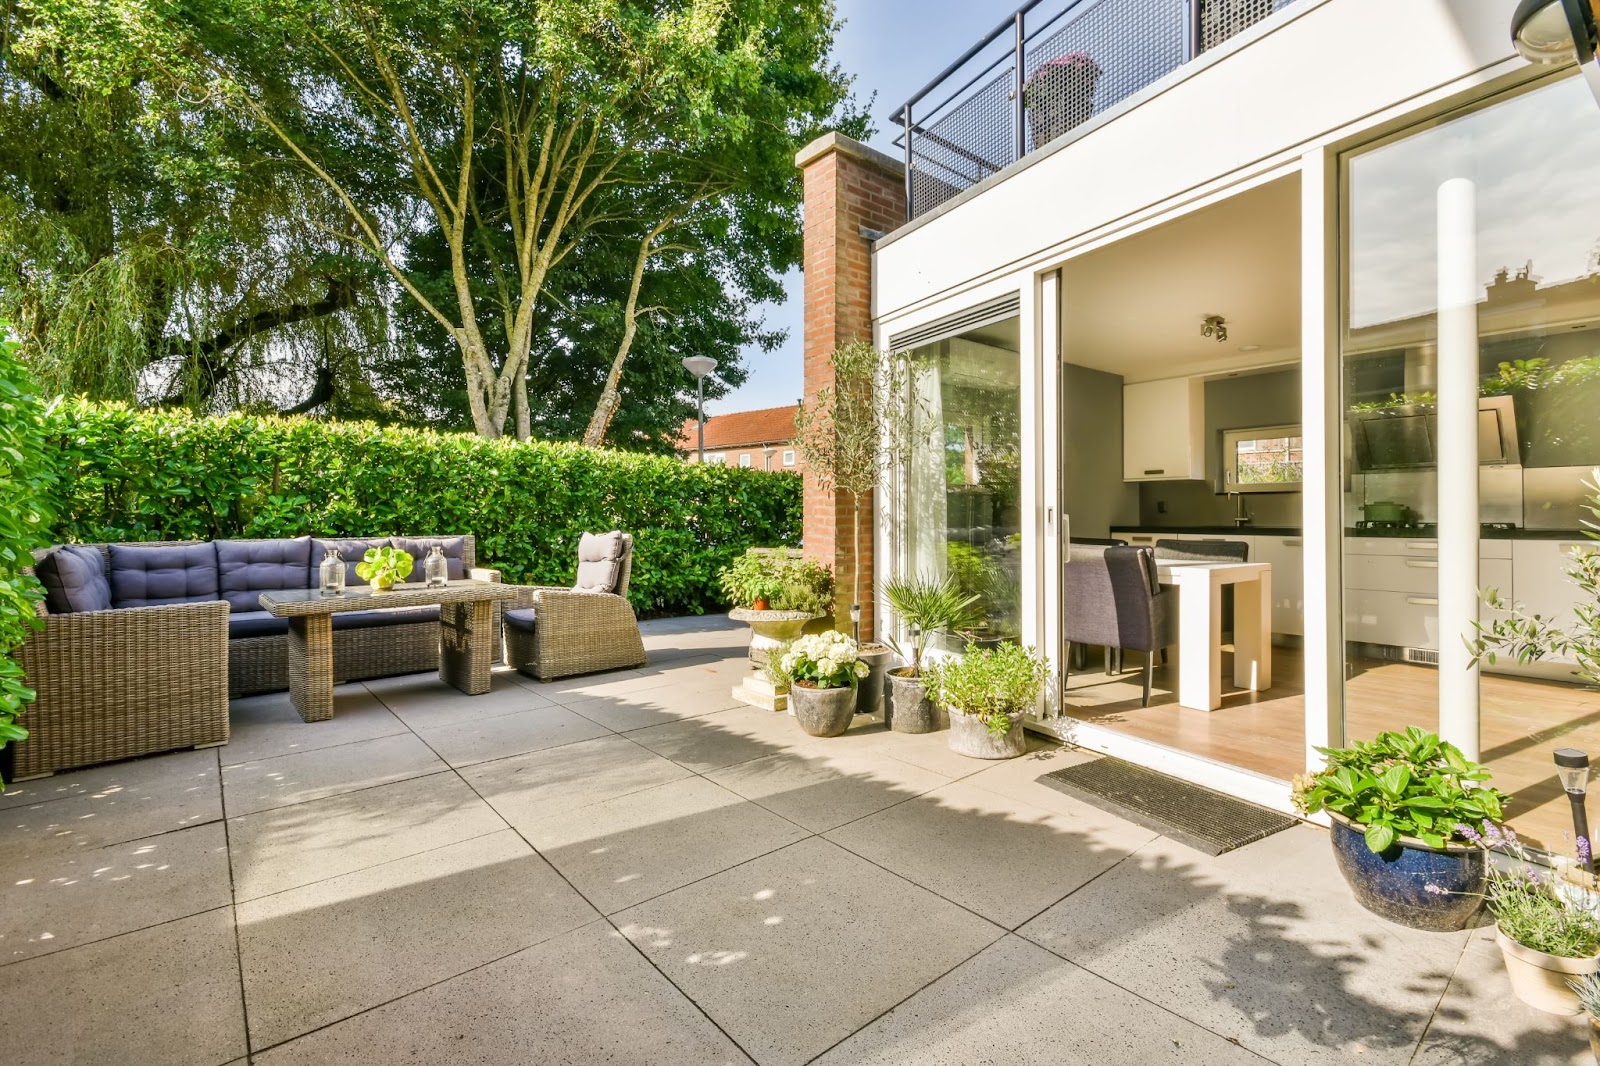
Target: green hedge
x=130 y=474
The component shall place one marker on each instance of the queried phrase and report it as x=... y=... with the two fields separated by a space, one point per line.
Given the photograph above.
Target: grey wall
x=1271 y=399
x=1096 y=496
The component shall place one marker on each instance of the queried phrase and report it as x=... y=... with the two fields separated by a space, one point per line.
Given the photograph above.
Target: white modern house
x=1320 y=278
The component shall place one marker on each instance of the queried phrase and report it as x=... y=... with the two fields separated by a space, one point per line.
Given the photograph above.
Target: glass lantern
x=435 y=568
x=331 y=573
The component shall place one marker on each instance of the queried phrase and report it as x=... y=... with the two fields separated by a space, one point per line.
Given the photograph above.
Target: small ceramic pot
x=907 y=707
x=381 y=585
x=822 y=712
x=761 y=604
x=869 y=690
x=1394 y=884
x=1540 y=980
x=971 y=737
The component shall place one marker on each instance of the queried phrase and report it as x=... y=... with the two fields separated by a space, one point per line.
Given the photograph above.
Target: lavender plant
x=1526 y=902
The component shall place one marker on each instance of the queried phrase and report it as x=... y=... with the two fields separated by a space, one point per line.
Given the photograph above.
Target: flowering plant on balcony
x=823 y=660
x=1060 y=95
x=1080 y=65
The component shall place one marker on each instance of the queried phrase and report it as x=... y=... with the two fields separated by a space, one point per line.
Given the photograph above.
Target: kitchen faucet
x=1241 y=517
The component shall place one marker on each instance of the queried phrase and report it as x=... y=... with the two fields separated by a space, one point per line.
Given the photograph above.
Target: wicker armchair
x=119 y=683
x=558 y=632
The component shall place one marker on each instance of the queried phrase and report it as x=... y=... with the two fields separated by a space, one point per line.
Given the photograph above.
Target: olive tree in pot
x=823 y=671
x=852 y=431
x=1402 y=807
x=926 y=606
x=987 y=692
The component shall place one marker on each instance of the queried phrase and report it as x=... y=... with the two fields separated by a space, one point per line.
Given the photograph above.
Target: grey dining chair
x=1114 y=599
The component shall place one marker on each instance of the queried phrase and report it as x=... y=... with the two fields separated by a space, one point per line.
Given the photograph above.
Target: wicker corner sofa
x=146 y=655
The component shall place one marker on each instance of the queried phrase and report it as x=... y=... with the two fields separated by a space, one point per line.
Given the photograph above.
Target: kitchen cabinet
x=1163 y=430
x=1286 y=556
x=1392 y=588
x=1539 y=568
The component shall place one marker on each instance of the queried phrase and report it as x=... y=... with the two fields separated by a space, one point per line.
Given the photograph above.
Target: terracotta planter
x=1540 y=980
x=970 y=737
x=761 y=604
x=822 y=712
x=869 y=691
x=907 y=708
x=770 y=629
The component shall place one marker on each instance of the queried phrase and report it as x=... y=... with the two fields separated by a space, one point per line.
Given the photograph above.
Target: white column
x=1458 y=461
x=1055 y=521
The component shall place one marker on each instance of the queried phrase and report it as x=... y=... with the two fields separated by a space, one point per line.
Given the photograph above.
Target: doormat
x=1204 y=819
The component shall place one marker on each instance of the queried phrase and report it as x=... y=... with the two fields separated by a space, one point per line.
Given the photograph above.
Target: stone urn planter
x=822 y=712
x=1540 y=980
x=971 y=737
x=907 y=707
x=870 y=690
x=770 y=629
x=1393 y=884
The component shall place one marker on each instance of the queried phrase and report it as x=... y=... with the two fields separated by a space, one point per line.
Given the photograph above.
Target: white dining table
x=1199 y=650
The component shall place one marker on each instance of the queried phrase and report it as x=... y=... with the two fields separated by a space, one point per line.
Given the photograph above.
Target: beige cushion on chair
x=600 y=561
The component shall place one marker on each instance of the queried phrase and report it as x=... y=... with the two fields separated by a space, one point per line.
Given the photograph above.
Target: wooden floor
x=1523 y=721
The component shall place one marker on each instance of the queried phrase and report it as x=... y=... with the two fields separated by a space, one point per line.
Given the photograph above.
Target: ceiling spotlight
x=1559 y=31
x=1214 y=326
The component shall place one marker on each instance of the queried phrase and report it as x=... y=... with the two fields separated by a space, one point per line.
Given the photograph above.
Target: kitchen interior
x=1209 y=429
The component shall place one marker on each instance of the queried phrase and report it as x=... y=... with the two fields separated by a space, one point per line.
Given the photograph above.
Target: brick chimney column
x=849 y=188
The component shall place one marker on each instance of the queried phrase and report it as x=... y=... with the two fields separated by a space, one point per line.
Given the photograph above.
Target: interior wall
x=1270 y=399
x=1094 y=496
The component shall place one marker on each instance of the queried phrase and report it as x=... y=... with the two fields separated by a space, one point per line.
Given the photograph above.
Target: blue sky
x=893 y=47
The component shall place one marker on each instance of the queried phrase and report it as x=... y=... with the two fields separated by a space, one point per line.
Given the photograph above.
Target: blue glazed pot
x=1391 y=884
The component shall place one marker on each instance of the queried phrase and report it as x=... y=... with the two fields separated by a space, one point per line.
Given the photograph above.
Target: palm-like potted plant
x=987 y=692
x=1402 y=805
x=822 y=670
x=925 y=606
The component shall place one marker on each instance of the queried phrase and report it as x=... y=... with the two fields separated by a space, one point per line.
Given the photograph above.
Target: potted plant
x=775 y=591
x=1060 y=95
x=1587 y=989
x=383 y=568
x=987 y=691
x=926 y=606
x=1398 y=804
x=1546 y=938
x=823 y=670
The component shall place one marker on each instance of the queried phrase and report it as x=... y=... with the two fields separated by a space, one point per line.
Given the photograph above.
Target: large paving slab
x=505 y=735
x=1263 y=945
x=266 y=726
x=173 y=774
x=293 y=846
x=168 y=994
x=624 y=850
x=794 y=951
x=540 y=785
x=1003 y=859
x=727 y=738
x=422 y=701
x=307 y=775
x=1016 y=1004
x=657 y=706
x=316 y=954
x=60 y=899
x=582 y=998
x=821 y=786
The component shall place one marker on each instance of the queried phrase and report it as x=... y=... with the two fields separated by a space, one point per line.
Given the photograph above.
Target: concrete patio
x=631 y=868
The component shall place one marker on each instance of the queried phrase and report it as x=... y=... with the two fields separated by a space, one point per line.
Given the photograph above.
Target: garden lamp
x=855 y=622
x=1560 y=31
x=1572 y=768
x=700 y=366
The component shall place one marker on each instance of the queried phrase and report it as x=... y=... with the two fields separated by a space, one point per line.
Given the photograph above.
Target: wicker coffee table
x=466 y=616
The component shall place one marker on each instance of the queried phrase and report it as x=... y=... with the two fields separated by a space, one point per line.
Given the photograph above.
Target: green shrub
x=782 y=577
x=26 y=480
x=132 y=474
x=994 y=685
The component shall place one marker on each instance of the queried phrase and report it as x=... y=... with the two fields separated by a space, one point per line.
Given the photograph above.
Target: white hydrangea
x=829 y=656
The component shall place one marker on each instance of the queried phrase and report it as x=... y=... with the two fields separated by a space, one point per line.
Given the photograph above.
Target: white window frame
x=744 y=460
x=788 y=457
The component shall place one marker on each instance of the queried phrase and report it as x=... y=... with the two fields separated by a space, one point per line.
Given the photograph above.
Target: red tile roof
x=773 y=425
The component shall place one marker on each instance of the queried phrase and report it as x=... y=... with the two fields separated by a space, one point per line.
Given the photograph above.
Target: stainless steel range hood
x=1406 y=437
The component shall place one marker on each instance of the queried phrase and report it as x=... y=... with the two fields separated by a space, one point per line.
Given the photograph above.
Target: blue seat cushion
x=520 y=618
x=74 y=579
x=454 y=549
x=350 y=551
x=149 y=575
x=247 y=568
x=403 y=616
x=243 y=624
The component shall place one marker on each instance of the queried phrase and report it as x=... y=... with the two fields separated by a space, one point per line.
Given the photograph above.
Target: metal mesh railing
x=1085 y=57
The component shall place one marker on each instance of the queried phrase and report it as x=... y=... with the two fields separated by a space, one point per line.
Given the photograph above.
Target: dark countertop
x=1287 y=531
x=1212 y=531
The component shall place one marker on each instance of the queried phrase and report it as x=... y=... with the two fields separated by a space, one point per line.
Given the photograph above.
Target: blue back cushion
x=148 y=575
x=454 y=553
x=350 y=551
x=247 y=568
x=74 y=579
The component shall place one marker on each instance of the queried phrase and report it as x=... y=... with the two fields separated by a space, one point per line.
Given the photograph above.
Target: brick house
x=760 y=440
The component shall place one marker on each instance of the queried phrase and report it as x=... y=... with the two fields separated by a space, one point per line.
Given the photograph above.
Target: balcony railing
x=1037 y=75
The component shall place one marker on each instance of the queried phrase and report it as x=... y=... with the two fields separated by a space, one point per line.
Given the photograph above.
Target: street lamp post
x=1572 y=767
x=1560 y=31
x=700 y=366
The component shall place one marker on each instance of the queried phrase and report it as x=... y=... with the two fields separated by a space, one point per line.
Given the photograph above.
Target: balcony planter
x=970 y=736
x=869 y=693
x=1060 y=96
x=1540 y=979
x=822 y=712
x=1393 y=883
x=907 y=707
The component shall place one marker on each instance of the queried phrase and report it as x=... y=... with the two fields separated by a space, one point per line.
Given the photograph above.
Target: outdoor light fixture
x=1572 y=768
x=700 y=366
x=855 y=622
x=1560 y=31
x=1214 y=326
